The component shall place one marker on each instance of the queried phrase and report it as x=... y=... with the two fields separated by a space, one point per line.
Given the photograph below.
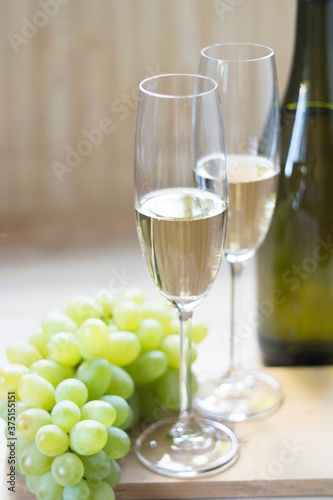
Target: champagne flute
x=181 y=202
x=247 y=83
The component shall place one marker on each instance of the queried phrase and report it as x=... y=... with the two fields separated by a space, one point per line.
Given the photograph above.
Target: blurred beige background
x=68 y=93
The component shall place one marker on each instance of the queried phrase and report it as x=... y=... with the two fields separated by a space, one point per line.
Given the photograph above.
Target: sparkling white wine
x=182 y=231
x=252 y=195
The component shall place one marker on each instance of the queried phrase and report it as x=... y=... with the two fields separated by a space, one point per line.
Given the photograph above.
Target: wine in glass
x=181 y=203
x=247 y=83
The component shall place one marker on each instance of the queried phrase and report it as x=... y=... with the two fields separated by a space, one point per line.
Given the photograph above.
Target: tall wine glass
x=247 y=83
x=181 y=202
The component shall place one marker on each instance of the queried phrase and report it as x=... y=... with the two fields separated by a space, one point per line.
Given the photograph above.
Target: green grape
x=118 y=443
x=101 y=411
x=72 y=389
x=120 y=405
x=39 y=339
x=127 y=315
x=112 y=327
x=48 y=489
x=199 y=331
x=52 y=440
x=80 y=491
x=10 y=410
x=94 y=339
x=4 y=409
x=21 y=444
x=173 y=327
x=151 y=406
x=52 y=371
x=83 y=307
x=20 y=406
x=67 y=469
x=106 y=298
x=30 y=420
x=18 y=466
x=171 y=347
x=23 y=353
x=6 y=432
x=173 y=312
x=9 y=378
x=128 y=424
x=134 y=294
x=167 y=388
x=148 y=367
x=102 y=492
x=55 y=321
x=124 y=348
x=93 y=484
x=87 y=437
x=156 y=310
x=65 y=414
x=32 y=483
x=33 y=462
x=134 y=404
x=36 y=391
x=114 y=476
x=63 y=347
x=96 y=374
x=121 y=384
x=150 y=334
x=96 y=467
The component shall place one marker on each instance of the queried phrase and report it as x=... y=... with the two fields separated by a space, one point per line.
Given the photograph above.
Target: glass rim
x=177 y=96
x=270 y=53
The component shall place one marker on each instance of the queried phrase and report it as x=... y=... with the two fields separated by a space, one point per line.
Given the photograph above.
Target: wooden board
x=266 y=467
x=289 y=453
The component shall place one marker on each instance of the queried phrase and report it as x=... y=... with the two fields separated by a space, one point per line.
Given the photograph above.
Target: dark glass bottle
x=295 y=263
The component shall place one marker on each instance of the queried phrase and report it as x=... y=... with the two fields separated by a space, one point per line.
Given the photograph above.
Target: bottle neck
x=312 y=66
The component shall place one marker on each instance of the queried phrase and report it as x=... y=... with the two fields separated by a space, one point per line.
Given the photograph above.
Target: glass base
x=238 y=395
x=201 y=448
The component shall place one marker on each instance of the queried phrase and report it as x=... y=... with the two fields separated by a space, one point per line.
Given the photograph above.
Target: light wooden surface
x=289 y=453
x=83 y=66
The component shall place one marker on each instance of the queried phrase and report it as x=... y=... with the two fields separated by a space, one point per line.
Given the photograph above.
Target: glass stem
x=185 y=373
x=236 y=269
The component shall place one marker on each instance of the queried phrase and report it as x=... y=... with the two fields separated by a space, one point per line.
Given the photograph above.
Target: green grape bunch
x=82 y=382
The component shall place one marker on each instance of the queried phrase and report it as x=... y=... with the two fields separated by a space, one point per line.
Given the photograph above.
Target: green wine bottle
x=295 y=263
